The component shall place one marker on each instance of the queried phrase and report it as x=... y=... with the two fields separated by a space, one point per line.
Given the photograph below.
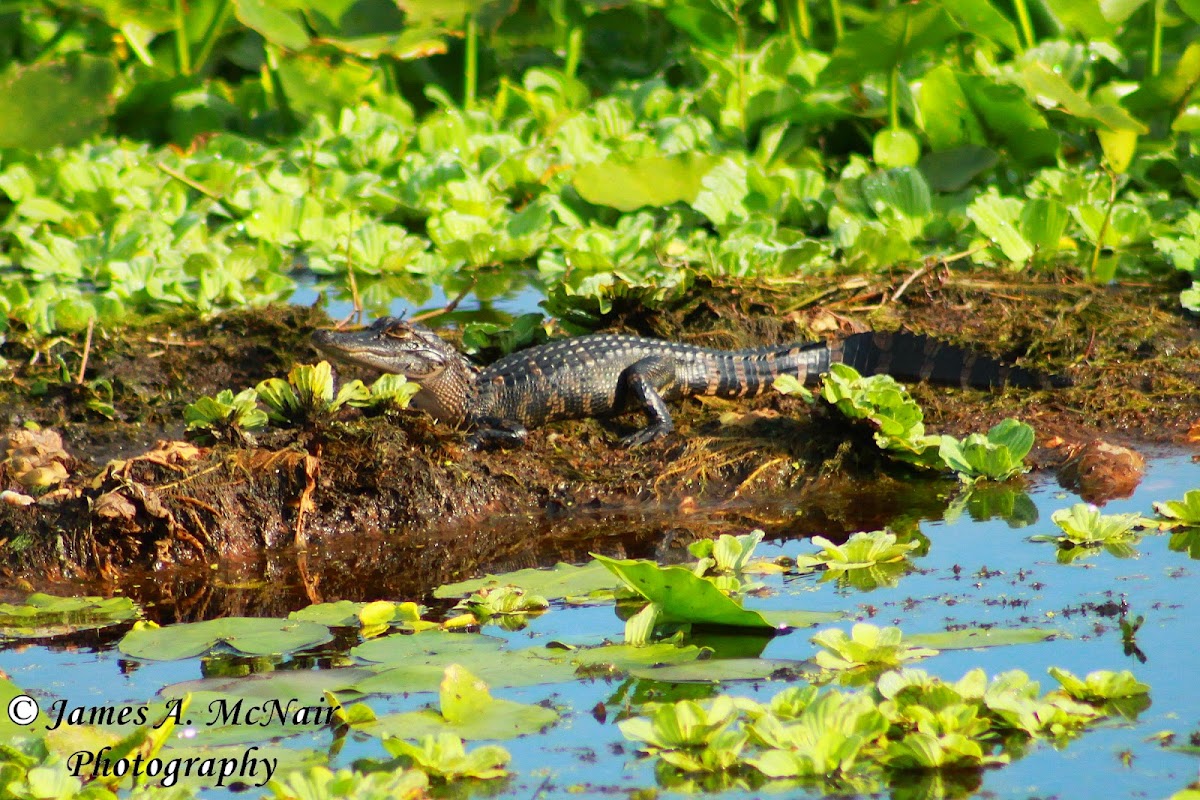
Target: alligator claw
x=647 y=434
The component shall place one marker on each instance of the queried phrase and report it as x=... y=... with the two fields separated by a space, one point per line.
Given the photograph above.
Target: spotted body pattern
x=599 y=375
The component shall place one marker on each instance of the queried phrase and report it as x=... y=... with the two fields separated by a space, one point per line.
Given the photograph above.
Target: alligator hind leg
x=646 y=381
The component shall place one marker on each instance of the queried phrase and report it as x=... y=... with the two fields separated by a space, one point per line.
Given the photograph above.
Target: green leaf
x=895 y=147
x=275 y=21
x=1185 y=512
x=43 y=615
x=250 y=636
x=56 y=103
x=467 y=710
x=1041 y=82
x=865 y=646
x=970 y=638
x=884 y=43
x=682 y=596
x=997 y=218
x=952 y=170
x=560 y=581
x=655 y=181
x=445 y=756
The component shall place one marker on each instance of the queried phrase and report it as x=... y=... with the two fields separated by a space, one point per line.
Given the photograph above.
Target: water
x=518 y=293
x=975 y=573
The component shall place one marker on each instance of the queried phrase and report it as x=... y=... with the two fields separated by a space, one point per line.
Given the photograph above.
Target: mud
x=362 y=507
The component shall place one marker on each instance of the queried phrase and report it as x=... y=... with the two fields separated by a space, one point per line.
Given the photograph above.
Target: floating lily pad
x=250 y=636
x=560 y=581
x=721 y=670
x=427 y=647
x=500 y=668
x=970 y=638
x=43 y=615
x=274 y=685
x=626 y=657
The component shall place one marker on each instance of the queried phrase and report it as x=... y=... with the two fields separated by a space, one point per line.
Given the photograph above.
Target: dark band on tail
x=916 y=357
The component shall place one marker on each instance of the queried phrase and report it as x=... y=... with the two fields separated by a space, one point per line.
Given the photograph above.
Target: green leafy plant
x=896 y=418
x=728 y=554
x=322 y=783
x=227 y=416
x=1084 y=528
x=1183 y=513
x=865 y=646
x=308 y=394
x=444 y=757
x=43 y=615
x=510 y=603
x=997 y=456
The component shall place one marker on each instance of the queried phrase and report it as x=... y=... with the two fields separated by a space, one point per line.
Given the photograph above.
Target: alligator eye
x=400 y=331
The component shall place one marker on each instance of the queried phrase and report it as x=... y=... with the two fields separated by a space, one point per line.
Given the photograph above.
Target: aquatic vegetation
x=1085 y=528
x=899 y=429
x=322 y=783
x=247 y=635
x=998 y=455
x=42 y=615
x=510 y=603
x=444 y=757
x=865 y=646
x=227 y=416
x=904 y=721
x=308 y=393
x=465 y=708
x=862 y=550
x=1183 y=513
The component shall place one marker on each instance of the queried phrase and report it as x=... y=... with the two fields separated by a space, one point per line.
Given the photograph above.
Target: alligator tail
x=916 y=357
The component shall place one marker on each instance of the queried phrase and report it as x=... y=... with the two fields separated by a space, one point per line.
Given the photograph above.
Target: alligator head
x=410 y=349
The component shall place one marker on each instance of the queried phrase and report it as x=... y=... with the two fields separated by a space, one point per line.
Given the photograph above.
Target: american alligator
x=602 y=374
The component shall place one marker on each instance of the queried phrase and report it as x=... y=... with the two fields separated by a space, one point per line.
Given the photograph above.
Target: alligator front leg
x=646 y=380
x=492 y=432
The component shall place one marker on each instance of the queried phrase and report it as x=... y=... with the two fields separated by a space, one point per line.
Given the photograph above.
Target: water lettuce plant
x=899 y=429
x=998 y=455
x=865 y=646
x=226 y=417
x=905 y=721
x=1085 y=528
x=1183 y=513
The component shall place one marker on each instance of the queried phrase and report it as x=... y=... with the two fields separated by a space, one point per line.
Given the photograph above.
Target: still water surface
x=975 y=573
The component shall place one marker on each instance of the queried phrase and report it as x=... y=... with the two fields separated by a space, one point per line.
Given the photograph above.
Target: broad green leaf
x=655 y=181
x=1043 y=223
x=48 y=103
x=445 y=756
x=682 y=596
x=468 y=710
x=952 y=170
x=561 y=580
x=884 y=43
x=895 y=147
x=1185 y=512
x=276 y=22
x=997 y=218
x=970 y=638
x=43 y=615
x=1041 y=82
x=250 y=636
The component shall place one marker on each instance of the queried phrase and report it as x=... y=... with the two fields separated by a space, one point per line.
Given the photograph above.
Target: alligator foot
x=497 y=433
x=647 y=434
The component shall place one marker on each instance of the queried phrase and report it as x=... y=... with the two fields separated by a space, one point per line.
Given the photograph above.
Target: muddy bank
x=359 y=507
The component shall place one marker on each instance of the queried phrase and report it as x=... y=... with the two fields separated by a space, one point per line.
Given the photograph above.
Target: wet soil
x=360 y=507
